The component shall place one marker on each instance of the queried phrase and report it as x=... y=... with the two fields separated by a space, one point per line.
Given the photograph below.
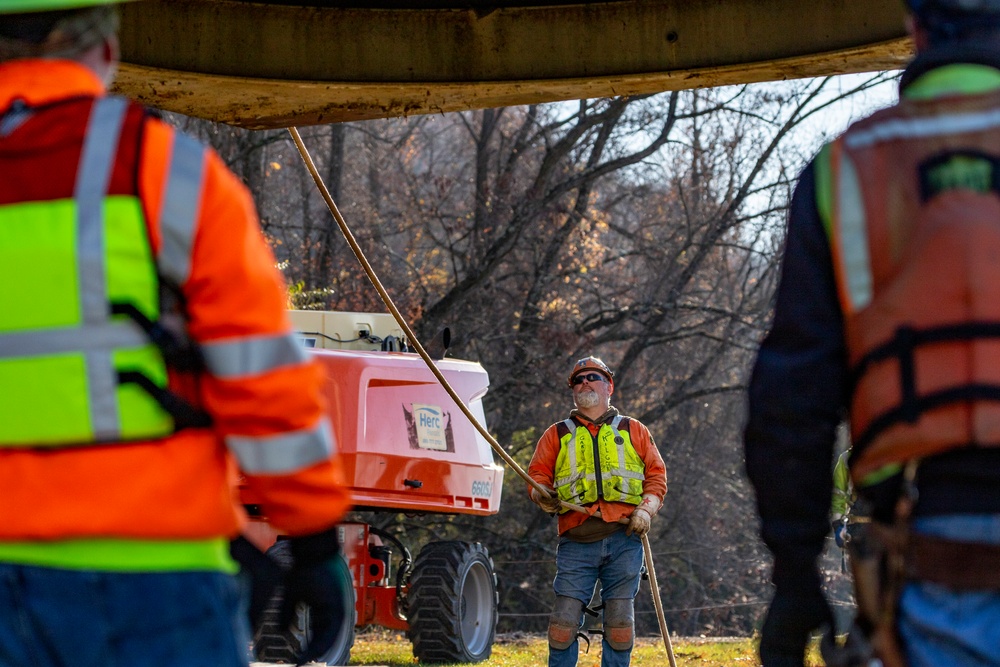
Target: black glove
x=798 y=608
x=317 y=579
x=261 y=573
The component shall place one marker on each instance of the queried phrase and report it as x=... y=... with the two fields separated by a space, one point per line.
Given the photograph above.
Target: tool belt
x=884 y=558
x=960 y=566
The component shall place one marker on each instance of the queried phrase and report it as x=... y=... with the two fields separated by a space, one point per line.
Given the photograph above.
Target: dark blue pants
x=940 y=626
x=65 y=618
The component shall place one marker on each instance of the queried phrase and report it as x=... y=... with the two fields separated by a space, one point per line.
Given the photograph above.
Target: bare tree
x=644 y=230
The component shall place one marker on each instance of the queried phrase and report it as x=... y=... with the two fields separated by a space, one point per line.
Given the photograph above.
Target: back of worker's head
x=54 y=28
x=955 y=21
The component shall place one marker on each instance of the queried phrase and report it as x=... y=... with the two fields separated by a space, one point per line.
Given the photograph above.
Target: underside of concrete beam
x=272 y=64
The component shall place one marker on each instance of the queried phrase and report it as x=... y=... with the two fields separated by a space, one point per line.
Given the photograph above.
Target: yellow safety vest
x=76 y=365
x=606 y=466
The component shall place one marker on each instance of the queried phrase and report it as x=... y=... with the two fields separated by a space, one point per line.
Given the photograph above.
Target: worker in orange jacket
x=608 y=465
x=146 y=362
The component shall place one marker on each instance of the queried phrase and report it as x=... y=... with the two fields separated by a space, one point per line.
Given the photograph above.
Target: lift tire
x=452 y=602
x=273 y=643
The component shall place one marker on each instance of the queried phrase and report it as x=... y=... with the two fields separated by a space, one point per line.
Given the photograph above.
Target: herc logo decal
x=429 y=427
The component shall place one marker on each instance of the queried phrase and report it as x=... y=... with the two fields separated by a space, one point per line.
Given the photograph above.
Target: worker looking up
x=607 y=463
x=121 y=435
x=888 y=311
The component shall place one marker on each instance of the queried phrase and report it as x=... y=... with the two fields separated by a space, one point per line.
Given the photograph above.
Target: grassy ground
x=393 y=650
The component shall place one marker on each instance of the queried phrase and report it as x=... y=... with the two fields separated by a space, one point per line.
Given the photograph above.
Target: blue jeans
x=617 y=562
x=943 y=627
x=66 y=618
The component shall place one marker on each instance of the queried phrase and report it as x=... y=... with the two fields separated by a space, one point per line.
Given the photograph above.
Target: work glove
x=798 y=608
x=550 y=504
x=316 y=579
x=638 y=523
x=259 y=572
x=642 y=516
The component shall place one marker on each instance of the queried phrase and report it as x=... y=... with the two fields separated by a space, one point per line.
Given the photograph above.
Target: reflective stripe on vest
x=71 y=373
x=850 y=236
x=620 y=468
x=924 y=128
x=181 y=200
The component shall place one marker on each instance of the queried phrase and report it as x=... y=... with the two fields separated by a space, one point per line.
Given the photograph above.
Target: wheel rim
x=477 y=608
x=340 y=651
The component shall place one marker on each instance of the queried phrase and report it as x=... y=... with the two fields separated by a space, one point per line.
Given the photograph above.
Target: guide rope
x=415 y=342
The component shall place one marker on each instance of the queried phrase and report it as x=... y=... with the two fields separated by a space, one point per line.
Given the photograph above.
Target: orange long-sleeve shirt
x=269 y=419
x=543 y=463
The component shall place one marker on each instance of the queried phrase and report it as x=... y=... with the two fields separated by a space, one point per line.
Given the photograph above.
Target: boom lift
x=406 y=448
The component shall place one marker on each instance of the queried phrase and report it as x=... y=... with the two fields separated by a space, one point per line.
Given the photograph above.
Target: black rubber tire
x=452 y=601
x=275 y=644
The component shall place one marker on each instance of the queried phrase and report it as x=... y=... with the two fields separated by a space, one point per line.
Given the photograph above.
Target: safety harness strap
x=179 y=352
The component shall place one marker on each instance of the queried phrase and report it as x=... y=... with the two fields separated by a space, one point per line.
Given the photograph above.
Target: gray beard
x=587 y=399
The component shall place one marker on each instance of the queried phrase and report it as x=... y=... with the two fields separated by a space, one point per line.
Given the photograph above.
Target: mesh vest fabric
x=610 y=456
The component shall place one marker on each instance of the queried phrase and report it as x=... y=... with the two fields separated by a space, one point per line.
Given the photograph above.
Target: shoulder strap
x=621 y=423
x=565 y=427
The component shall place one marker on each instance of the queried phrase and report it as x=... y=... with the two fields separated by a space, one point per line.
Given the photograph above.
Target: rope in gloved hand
x=412 y=339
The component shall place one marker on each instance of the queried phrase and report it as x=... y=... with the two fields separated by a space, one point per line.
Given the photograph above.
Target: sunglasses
x=589 y=377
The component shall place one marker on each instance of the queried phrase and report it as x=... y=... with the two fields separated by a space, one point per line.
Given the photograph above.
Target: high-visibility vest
x=81 y=300
x=605 y=465
x=913 y=213
x=843 y=493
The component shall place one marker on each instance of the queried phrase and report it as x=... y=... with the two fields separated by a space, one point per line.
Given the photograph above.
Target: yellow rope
x=412 y=339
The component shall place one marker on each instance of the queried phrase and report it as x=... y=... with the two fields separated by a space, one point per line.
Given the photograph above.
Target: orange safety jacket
x=543 y=464
x=268 y=420
x=916 y=186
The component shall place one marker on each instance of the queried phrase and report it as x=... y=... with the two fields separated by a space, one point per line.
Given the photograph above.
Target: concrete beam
x=269 y=64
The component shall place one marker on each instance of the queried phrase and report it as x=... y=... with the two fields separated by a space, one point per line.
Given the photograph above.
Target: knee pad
x=564 y=622
x=619 y=623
